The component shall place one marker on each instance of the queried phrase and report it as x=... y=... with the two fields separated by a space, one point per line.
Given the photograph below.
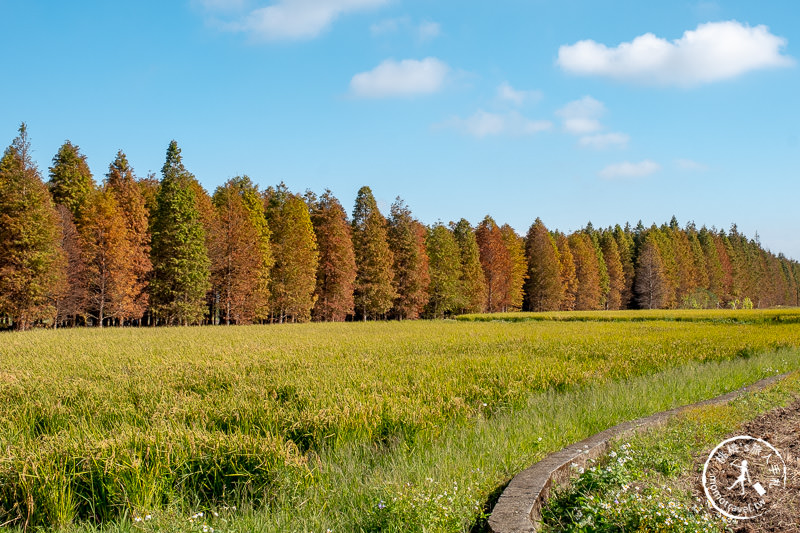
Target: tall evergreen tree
x=473 y=281
x=71 y=182
x=179 y=255
x=519 y=268
x=411 y=276
x=122 y=184
x=543 y=290
x=626 y=255
x=446 y=285
x=294 y=249
x=31 y=261
x=374 y=291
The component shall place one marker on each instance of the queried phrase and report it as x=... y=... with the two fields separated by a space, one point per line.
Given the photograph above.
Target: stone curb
x=519 y=508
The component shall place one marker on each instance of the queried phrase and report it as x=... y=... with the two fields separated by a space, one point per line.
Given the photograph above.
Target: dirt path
x=781 y=428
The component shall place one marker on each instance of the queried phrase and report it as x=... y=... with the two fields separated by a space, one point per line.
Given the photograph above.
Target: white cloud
x=385 y=26
x=428 y=30
x=630 y=170
x=582 y=116
x=688 y=164
x=296 y=19
x=424 y=31
x=714 y=51
x=484 y=124
x=222 y=5
x=405 y=78
x=517 y=97
x=604 y=140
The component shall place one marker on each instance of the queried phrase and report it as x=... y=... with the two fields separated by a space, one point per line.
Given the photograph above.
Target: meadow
x=406 y=426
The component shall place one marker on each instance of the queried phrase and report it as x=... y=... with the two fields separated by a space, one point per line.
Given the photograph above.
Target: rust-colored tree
x=406 y=238
x=106 y=249
x=71 y=301
x=336 y=272
x=569 y=280
x=543 y=289
x=122 y=184
x=616 y=274
x=497 y=265
x=651 y=278
x=236 y=257
x=519 y=268
x=589 y=291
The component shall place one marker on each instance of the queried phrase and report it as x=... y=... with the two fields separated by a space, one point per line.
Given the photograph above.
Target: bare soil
x=781 y=428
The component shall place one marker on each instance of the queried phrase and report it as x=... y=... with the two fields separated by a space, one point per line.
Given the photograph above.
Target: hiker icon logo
x=743 y=476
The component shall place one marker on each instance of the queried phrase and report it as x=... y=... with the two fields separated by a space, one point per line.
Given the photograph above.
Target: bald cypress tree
x=614 y=268
x=587 y=271
x=569 y=280
x=71 y=182
x=106 y=251
x=121 y=183
x=519 y=268
x=446 y=285
x=236 y=256
x=651 y=276
x=473 y=280
x=71 y=302
x=31 y=261
x=179 y=255
x=497 y=265
x=294 y=249
x=411 y=276
x=543 y=289
x=374 y=290
x=336 y=271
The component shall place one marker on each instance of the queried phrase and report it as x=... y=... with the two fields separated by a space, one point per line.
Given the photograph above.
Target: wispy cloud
x=582 y=116
x=714 y=51
x=517 y=97
x=292 y=19
x=627 y=169
x=601 y=141
x=426 y=30
x=485 y=124
x=408 y=77
x=688 y=164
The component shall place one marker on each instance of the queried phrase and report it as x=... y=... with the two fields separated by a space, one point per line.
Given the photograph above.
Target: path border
x=518 y=510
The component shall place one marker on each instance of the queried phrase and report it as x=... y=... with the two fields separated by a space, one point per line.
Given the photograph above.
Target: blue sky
x=572 y=111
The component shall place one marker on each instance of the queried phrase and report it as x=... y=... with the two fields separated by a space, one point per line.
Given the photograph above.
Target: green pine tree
x=71 y=182
x=179 y=255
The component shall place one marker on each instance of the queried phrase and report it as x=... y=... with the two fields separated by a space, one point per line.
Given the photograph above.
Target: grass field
x=405 y=426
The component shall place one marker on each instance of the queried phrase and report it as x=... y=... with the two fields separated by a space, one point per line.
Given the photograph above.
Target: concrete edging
x=519 y=508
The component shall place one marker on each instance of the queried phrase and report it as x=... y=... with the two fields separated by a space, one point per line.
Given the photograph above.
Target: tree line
x=146 y=251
